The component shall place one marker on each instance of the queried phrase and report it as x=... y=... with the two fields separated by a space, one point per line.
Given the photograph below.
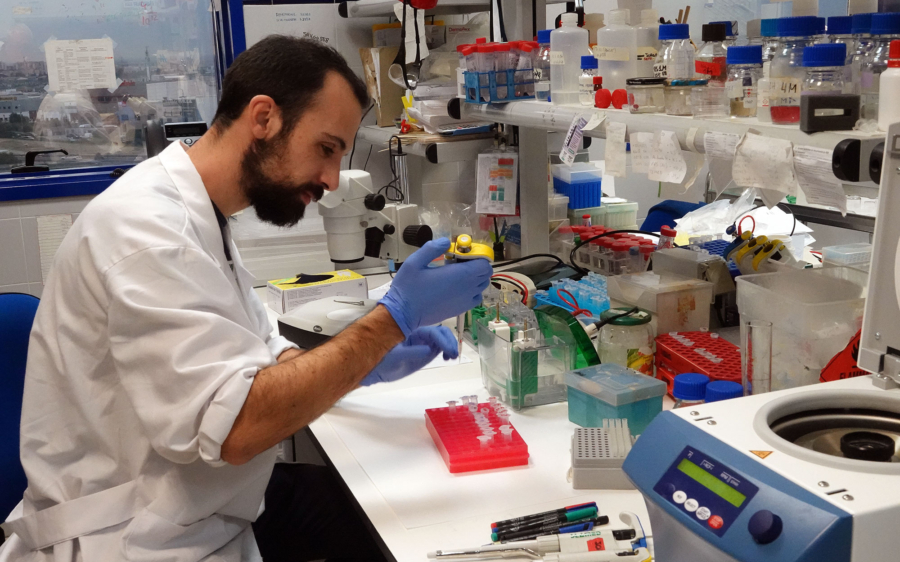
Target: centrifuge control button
x=703 y=513
x=679 y=497
x=691 y=505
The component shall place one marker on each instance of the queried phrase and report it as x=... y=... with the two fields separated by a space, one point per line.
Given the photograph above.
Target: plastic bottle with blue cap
x=824 y=69
x=689 y=389
x=787 y=72
x=716 y=391
x=860 y=28
x=675 y=59
x=885 y=28
x=586 y=80
x=542 y=66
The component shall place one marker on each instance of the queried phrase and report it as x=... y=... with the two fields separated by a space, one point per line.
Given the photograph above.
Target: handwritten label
x=659 y=70
x=614 y=152
x=818 y=182
x=646 y=53
x=612 y=53
x=785 y=91
x=557 y=58
x=765 y=163
x=666 y=160
x=734 y=88
x=641 y=146
x=716 y=68
x=538 y=74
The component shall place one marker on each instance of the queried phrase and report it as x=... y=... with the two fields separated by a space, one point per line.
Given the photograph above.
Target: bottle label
x=538 y=74
x=646 y=53
x=557 y=58
x=641 y=360
x=785 y=92
x=734 y=88
x=715 y=68
x=763 y=97
x=749 y=96
x=659 y=70
x=621 y=54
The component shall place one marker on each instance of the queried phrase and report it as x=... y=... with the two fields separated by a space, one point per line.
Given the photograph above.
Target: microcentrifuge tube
x=506 y=431
x=452 y=405
x=473 y=408
x=484 y=440
x=485 y=411
x=504 y=418
x=714 y=336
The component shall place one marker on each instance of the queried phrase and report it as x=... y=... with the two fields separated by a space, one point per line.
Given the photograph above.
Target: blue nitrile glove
x=422 y=295
x=415 y=352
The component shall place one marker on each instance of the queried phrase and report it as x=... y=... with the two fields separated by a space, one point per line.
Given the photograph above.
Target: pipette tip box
x=456 y=438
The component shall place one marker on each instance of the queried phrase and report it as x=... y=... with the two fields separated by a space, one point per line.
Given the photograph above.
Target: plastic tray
x=611 y=391
x=678 y=304
x=674 y=358
x=621 y=215
x=499 y=86
x=581 y=194
x=857 y=256
x=455 y=436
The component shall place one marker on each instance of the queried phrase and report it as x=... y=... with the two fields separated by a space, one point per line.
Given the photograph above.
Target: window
x=163 y=66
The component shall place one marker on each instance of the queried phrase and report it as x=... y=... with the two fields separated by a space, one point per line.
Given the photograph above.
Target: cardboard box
x=386 y=95
x=284 y=295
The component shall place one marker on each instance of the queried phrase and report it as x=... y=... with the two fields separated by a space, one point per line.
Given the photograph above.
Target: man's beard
x=275 y=201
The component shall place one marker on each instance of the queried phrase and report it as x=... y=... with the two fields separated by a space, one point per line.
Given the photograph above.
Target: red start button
x=715 y=522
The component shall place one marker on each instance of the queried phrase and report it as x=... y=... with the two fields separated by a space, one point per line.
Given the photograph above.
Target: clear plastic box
x=678 y=304
x=524 y=375
x=856 y=256
x=559 y=205
x=598 y=216
x=621 y=215
x=577 y=172
x=611 y=391
x=813 y=312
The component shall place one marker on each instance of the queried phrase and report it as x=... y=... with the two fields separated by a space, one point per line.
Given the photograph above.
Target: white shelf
x=457 y=150
x=549 y=117
x=378 y=8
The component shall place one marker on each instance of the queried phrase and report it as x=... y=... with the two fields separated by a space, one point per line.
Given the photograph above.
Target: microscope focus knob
x=765 y=526
x=417 y=234
x=374 y=202
x=389 y=229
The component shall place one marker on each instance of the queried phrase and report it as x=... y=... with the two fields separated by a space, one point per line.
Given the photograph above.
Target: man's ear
x=264 y=117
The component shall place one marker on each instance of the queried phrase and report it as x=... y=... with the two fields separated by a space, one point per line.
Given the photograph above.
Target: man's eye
x=327 y=150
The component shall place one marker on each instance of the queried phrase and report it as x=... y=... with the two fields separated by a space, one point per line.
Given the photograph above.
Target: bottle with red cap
x=889 y=101
x=666 y=238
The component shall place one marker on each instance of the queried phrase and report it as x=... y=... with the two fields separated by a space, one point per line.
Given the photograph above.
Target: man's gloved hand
x=415 y=352
x=422 y=295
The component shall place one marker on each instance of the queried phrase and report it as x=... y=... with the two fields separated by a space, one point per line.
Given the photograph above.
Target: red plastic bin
x=674 y=358
x=455 y=436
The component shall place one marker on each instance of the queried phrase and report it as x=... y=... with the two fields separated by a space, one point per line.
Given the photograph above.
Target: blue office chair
x=16 y=317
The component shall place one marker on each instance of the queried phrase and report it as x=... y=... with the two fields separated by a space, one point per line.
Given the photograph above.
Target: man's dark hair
x=289 y=70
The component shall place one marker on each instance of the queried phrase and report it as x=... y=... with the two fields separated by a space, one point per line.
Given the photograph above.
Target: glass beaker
x=756 y=356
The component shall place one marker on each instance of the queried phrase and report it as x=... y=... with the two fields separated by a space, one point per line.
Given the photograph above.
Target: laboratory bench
x=376 y=440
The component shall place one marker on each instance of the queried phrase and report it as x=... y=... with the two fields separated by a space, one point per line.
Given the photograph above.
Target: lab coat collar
x=196 y=199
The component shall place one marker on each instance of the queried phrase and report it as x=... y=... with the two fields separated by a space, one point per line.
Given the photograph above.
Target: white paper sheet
x=496 y=187
x=51 y=231
x=765 y=163
x=434 y=496
x=308 y=21
x=614 y=151
x=814 y=174
x=594 y=121
x=80 y=64
x=720 y=145
x=411 y=31
x=641 y=146
x=572 y=142
x=719 y=148
x=666 y=160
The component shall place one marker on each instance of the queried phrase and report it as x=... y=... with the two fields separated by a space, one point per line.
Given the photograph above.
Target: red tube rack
x=674 y=358
x=456 y=438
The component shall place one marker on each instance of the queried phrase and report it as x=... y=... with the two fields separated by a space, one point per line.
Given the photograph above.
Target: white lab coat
x=144 y=348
